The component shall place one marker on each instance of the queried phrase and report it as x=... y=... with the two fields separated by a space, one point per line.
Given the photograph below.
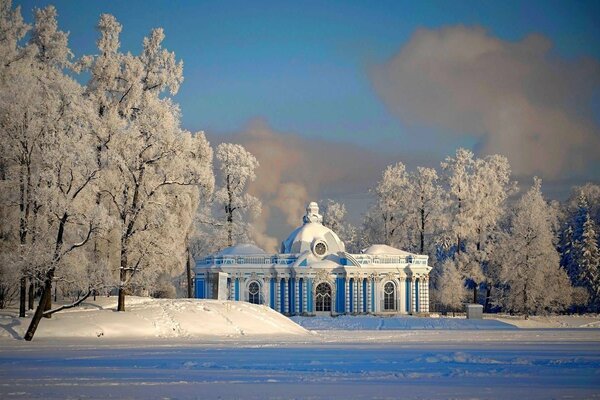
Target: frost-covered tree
x=451 y=292
x=45 y=128
x=531 y=279
x=149 y=164
x=334 y=217
x=236 y=168
x=478 y=189
x=587 y=259
x=386 y=221
x=425 y=202
x=579 y=242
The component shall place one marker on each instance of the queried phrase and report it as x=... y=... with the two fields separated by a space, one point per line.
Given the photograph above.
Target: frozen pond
x=331 y=364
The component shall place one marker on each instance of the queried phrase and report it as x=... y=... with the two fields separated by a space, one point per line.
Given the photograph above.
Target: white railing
x=283 y=259
x=250 y=259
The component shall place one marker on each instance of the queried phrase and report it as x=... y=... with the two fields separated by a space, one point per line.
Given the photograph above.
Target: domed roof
x=310 y=233
x=385 y=249
x=241 y=249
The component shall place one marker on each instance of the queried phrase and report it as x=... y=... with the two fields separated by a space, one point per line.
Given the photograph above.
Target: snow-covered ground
x=148 y=318
x=189 y=352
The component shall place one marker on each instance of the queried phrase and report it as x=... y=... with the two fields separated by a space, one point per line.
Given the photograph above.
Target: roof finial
x=312 y=213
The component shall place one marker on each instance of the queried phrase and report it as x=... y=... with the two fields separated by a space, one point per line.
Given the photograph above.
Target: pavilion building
x=314 y=275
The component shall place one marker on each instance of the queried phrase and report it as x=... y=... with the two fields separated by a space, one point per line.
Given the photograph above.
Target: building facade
x=314 y=275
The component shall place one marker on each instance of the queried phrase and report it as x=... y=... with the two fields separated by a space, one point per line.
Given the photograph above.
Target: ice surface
x=362 y=357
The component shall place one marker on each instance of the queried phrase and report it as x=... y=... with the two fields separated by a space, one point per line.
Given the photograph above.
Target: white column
x=369 y=289
x=356 y=289
x=304 y=295
x=286 y=297
x=403 y=295
x=413 y=293
x=278 y=294
x=360 y=296
x=376 y=295
x=426 y=295
x=296 y=296
x=347 y=289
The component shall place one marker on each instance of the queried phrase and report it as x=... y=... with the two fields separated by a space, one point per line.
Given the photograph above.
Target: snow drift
x=158 y=318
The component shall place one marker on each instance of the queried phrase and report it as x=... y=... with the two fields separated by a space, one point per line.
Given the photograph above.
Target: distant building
x=313 y=274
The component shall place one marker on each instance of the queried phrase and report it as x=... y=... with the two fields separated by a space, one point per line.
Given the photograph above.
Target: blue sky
x=303 y=66
x=342 y=75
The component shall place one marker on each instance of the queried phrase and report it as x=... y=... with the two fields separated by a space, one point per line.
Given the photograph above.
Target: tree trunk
x=122 y=276
x=525 y=306
x=48 y=304
x=229 y=211
x=422 y=230
x=121 y=302
x=31 y=295
x=475 y=294
x=22 y=296
x=488 y=295
x=39 y=311
x=188 y=268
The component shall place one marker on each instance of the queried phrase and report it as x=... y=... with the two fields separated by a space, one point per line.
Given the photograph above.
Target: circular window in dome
x=320 y=248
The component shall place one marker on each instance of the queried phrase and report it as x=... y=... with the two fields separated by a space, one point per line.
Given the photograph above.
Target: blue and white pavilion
x=313 y=274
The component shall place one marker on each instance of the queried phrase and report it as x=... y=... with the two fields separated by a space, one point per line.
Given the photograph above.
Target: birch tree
x=236 y=169
x=386 y=220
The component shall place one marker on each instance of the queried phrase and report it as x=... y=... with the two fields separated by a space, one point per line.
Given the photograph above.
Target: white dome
x=385 y=249
x=304 y=237
x=241 y=249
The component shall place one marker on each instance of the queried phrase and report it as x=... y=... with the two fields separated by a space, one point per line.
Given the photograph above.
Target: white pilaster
x=347 y=289
x=426 y=296
x=304 y=295
x=402 y=295
x=286 y=296
x=413 y=295
x=361 y=304
x=296 y=296
x=278 y=294
x=369 y=289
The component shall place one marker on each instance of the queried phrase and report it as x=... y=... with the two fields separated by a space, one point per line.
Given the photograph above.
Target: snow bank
x=158 y=318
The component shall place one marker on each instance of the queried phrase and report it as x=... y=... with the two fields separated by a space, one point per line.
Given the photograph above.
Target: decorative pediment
x=388 y=277
x=323 y=276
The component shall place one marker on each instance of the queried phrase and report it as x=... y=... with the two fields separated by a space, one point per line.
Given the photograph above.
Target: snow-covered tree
x=478 y=189
x=387 y=220
x=334 y=217
x=451 y=292
x=531 y=280
x=579 y=242
x=149 y=164
x=588 y=261
x=236 y=168
x=425 y=202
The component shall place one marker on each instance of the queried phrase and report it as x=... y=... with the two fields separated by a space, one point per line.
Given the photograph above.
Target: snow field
x=148 y=318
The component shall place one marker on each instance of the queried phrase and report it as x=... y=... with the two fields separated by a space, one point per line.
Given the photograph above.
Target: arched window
x=323 y=297
x=254 y=293
x=389 y=296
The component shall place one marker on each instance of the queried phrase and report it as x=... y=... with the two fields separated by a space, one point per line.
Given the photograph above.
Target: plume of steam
x=515 y=97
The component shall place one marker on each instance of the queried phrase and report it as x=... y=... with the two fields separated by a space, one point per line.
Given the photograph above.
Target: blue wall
x=272 y=292
x=200 y=291
x=340 y=306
